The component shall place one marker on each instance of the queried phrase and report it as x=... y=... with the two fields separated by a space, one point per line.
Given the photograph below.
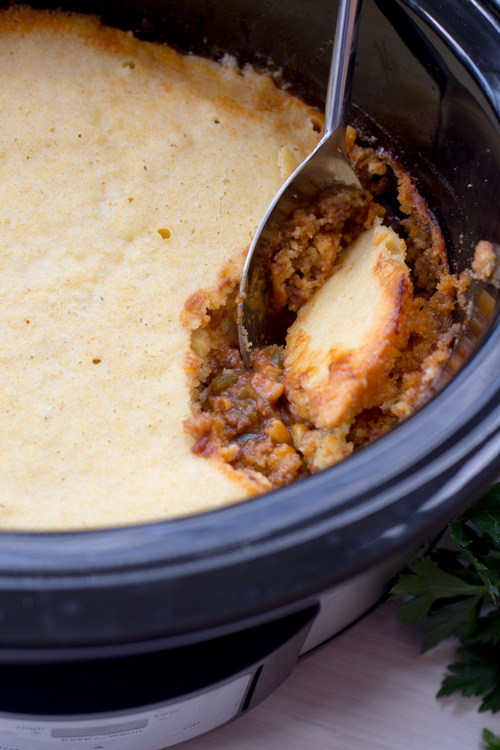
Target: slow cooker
x=147 y=636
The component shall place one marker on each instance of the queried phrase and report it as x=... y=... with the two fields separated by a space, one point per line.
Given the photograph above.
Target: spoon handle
x=338 y=93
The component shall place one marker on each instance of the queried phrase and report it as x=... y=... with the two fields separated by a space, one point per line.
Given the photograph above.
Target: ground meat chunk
x=311 y=239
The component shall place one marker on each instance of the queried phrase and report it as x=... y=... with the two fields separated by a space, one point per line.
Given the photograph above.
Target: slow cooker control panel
x=151 y=702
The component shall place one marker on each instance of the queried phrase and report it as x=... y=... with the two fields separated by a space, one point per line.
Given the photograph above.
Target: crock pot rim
x=196 y=529
x=433 y=17
x=139 y=555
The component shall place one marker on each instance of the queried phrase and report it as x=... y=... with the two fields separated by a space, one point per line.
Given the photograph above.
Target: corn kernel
x=278 y=432
x=229 y=452
x=298 y=430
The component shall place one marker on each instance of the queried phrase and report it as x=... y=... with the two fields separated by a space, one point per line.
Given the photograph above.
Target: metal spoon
x=327 y=165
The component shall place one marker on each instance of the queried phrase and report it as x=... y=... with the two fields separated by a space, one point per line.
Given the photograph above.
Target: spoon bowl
x=328 y=165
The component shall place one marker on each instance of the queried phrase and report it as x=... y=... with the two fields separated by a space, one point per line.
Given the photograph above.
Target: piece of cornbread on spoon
x=347 y=336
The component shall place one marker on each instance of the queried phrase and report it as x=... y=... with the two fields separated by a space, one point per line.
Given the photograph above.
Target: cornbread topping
x=132 y=181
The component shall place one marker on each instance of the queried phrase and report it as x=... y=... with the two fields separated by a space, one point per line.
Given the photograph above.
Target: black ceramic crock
x=243 y=578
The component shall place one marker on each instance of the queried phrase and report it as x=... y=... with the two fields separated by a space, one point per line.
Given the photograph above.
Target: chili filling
x=242 y=416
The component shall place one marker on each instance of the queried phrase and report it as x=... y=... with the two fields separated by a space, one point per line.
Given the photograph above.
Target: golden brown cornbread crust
x=131 y=181
x=345 y=341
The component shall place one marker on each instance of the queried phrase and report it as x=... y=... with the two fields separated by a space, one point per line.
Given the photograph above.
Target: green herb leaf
x=447 y=589
x=478 y=549
x=485 y=514
x=427 y=584
x=492 y=701
x=488 y=629
x=478 y=673
x=492 y=740
x=458 y=618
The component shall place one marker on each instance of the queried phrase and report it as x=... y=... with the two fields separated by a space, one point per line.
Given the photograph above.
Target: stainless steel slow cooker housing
x=104 y=624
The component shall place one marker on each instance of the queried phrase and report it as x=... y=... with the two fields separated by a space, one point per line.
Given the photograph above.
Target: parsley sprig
x=457 y=593
x=492 y=740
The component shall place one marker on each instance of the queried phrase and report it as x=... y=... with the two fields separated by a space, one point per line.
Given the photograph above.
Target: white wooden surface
x=369 y=689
